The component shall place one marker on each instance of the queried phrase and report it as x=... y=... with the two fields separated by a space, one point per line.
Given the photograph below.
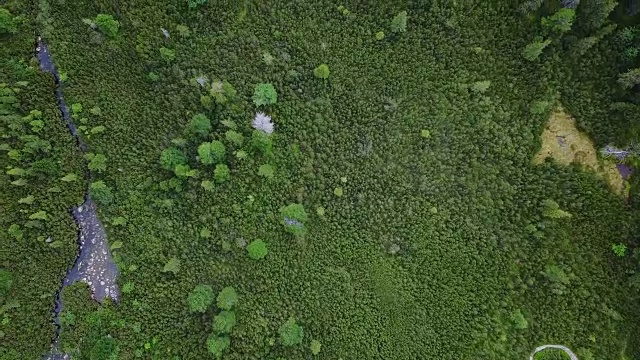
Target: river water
x=94 y=264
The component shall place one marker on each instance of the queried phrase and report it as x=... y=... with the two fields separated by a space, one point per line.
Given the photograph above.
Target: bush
x=7 y=24
x=171 y=157
x=264 y=94
x=100 y=192
x=200 y=298
x=321 y=72
x=227 y=298
x=221 y=173
x=199 y=125
x=399 y=22
x=217 y=345
x=290 y=333
x=257 y=249
x=107 y=25
x=224 y=322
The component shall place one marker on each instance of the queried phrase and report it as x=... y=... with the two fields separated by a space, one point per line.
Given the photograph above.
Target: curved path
x=561 y=347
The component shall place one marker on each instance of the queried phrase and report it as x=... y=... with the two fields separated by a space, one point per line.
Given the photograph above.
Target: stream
x=94 y=264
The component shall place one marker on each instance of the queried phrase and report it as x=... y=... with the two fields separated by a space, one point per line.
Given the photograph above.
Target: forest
x=319 y=179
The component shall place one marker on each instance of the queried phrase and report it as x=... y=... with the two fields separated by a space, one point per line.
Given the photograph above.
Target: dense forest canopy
x=300 y=179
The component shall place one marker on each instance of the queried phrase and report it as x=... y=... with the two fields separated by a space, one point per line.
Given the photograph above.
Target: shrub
x=199 y=125
x=107 y=25
x=290 y=333
x=227 y=298
x=167 y=55
x=221 y=173
x=257 y=249
x=7 y=24
x=217 y=345
x=293 y=218
x=532 y=51
x=265 y=94
x=200 y=298
x=321 y=72
x=399 y=22
x=100 y=192
x=171 y=157
x=224 y=322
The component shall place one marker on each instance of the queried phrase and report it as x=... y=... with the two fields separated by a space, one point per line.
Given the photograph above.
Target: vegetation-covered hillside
x=298 y=179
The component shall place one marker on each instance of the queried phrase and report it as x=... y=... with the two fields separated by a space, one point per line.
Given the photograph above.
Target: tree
x=399 y=22
x=200 y=298
x=224 y=322
x=106 y=348
x=262 y=142
x=234 y=138
x=290 y=333
x=629 y=79
x=293 y=218
x=107 y=25
x=167 y=55
x=97 y=162
x=100 y=192
x=227 y=298
x=321 y=72
x=221 y=173
x=257 y=249
x=211 y=152
x=7 y=24
x=264 y=94
x=518 y=320
x=217 y=344
x=6 y=280
x=266 y=170
x=171 y=157
x=532 y=51
x=199 y=125
x=560 y=22
x=552 y=210
x=315 y=347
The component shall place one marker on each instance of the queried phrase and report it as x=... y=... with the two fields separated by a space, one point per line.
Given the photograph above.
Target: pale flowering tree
x=263 y=123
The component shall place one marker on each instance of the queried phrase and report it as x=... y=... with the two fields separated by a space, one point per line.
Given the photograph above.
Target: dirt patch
x=562 y=141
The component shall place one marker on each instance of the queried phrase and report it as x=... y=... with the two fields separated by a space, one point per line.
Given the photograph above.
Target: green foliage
x=380 y=35
x=6 y=281
x=208 y=185
x=321 y=72
x=224 y=322
x=338 y=191
x=551 y=209
x=200 y=298
x=399 y=22
x=227 y=298
x=619 y=249
x=234 y=138
x=518 y=320
x=107 y=25
x=195 y=3
x=551 y=354
x=171 y=157
x=167 y=54
x=265 y=94
x=315 y=347
x=629 y=79
x=262 y=142
x=100 y=192
x=221 y=173
x=200 y=125
x=211 y=152
x=257 y=249
x=480 y=86
x=560 y=22
x=425 y=133
x=7 y=23
x=290 y=333
x=267 y=171
x=217 y=345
